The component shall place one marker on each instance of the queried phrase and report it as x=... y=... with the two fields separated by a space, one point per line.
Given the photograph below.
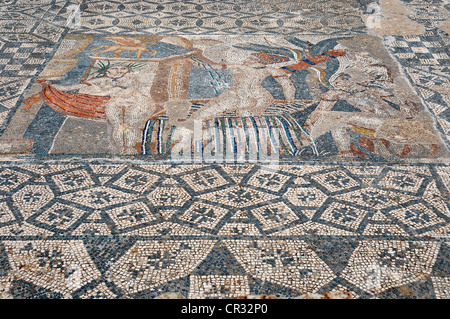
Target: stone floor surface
x=224 y=149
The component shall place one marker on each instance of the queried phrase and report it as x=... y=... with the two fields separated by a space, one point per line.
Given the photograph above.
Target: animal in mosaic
x=112 y=93
x=118 y=93
x=246 y=96
x=126 y=44
x=151 y=102
x=362 y=100
x=308 y=61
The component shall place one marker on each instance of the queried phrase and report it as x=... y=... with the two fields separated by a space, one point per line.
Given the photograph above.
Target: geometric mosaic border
x=224 y=230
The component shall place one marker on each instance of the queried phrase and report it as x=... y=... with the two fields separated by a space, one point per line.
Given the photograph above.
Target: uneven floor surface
x=218 y=149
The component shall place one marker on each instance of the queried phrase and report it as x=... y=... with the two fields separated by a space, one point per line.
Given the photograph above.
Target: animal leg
x=103 y=51
x=117 y=51
x=96 y=48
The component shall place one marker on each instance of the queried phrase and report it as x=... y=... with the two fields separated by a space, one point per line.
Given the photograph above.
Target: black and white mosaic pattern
x=426 y=60
x=119 y=229
x=95 y=230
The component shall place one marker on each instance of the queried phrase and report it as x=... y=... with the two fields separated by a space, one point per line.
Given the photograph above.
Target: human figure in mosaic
x=366 y=85
x=246 y=96
x=113 y=91
x=116 y=93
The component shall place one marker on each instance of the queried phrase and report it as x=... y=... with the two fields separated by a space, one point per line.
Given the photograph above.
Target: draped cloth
x=74 y=104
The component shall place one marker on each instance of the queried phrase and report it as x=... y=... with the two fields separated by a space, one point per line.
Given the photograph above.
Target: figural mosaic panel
x=159 y=95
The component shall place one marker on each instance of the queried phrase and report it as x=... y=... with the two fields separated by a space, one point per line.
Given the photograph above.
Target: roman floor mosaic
x=224 y=149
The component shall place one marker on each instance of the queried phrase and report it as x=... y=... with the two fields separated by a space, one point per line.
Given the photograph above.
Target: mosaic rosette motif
x=210 y=244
